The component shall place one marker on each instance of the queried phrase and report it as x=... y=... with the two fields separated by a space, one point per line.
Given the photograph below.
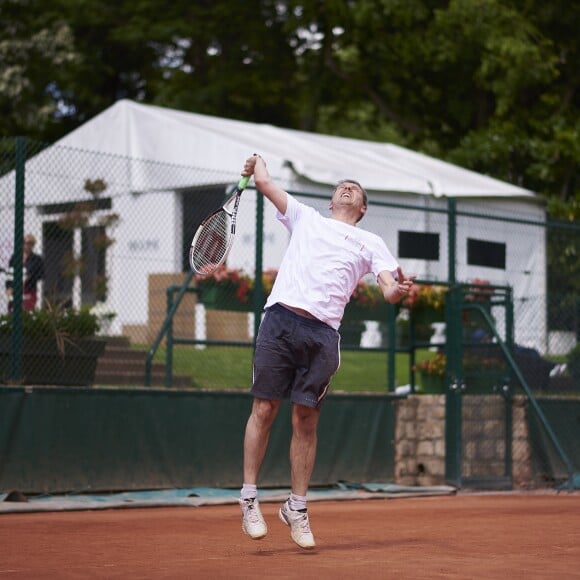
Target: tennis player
x=297 y=348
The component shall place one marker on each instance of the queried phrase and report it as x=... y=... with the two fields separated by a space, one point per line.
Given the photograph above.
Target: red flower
x=236 y=282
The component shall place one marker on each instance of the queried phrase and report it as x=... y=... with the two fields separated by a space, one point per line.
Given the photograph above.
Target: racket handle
x=243 y=183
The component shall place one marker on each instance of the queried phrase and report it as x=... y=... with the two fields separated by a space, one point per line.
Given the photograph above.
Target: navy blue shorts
x=295 y=358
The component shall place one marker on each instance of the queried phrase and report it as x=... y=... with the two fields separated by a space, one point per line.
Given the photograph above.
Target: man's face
x=348 y=194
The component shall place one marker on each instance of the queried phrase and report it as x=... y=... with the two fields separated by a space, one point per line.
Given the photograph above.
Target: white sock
x=249 y=491
x=297 y=502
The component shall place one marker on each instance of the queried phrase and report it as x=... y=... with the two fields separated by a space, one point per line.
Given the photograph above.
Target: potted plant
x=432 y=372
x=59 y=346
x=232 y=289
x=226 y=289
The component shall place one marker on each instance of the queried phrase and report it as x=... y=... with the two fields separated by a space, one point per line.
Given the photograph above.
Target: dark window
x=57 y=251
x=488 y=254
x=419 y=245
x=94 y=242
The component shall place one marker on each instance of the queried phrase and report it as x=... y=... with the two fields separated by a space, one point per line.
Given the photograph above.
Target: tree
x=32 y=45
x=212 y=56
x=489 y=84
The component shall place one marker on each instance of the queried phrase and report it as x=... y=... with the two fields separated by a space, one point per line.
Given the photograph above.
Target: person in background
x=298 y=344
x=32 y=273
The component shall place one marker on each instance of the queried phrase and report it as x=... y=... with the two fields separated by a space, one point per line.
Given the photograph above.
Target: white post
x=200 y=326
x=77 y=254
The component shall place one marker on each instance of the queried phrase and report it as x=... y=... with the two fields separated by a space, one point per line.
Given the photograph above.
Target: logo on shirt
x=354 y=242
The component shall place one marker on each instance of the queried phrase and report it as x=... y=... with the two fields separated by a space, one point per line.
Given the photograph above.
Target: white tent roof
x=188 y=139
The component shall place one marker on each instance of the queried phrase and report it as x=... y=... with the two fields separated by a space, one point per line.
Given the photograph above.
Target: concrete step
x=118 y=341
x=121 y=365
x=123 y=354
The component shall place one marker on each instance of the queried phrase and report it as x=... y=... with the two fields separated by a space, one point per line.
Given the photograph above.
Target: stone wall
x=522 y=472
x=420 y=439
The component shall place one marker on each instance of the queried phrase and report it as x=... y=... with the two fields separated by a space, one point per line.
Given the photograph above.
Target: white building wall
x=147 y=240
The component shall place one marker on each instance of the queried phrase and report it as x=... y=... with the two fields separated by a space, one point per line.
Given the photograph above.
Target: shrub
x=53 y=321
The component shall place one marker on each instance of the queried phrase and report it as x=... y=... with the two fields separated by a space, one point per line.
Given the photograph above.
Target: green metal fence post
x=454 y=380
x=452 y=239
x=169 y=340
x=19 y=193
x=453 y=348
x=391 y=347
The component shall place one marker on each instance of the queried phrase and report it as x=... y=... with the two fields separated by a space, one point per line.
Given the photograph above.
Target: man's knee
x=304 y=418
x=264 y=411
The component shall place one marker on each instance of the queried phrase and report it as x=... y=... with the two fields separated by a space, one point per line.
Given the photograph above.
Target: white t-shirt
x=324 y=262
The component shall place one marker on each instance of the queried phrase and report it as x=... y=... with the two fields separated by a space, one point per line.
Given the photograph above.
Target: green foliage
x=34 y=43
x=487 y=84
x=53 y=321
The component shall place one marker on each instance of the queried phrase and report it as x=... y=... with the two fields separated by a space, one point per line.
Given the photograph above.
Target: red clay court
x=466 y=536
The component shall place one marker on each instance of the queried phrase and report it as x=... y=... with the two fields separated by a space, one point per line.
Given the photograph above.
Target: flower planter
x=432 y=384
x=44 y=364
x=218 y=298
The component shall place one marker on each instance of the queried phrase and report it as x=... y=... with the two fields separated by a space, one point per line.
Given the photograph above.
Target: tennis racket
x=215 y=235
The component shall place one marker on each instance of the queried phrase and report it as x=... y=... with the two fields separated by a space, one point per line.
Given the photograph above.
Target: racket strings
x=211 y=245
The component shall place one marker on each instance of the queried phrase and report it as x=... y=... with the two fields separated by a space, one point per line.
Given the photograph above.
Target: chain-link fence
x=112 y=234
x=104 y=242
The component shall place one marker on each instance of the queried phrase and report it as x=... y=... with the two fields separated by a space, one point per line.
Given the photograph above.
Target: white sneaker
x=253 y=523
x=299 y=526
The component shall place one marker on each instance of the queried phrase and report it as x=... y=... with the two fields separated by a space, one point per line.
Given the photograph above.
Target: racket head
x=212 y=241
x=211 y=244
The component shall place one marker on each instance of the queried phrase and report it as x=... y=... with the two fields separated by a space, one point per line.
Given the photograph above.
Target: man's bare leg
x=255 y=444
x=302 y=456
x=257 y=436
x=303 y=446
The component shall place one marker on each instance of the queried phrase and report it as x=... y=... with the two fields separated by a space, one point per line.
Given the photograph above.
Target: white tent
x=301 y=161
x=189 y=139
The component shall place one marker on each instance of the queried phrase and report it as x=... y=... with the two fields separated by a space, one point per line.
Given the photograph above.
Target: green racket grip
x=243 y=183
